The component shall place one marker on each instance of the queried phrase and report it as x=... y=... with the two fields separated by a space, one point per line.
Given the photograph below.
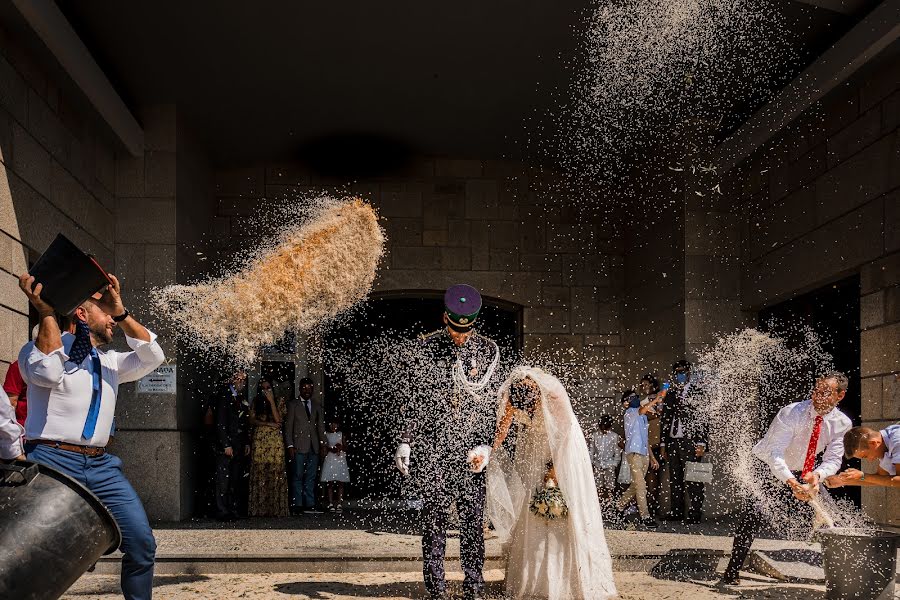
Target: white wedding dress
x=563 y=559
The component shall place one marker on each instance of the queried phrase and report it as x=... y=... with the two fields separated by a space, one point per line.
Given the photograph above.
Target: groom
x=451 y=426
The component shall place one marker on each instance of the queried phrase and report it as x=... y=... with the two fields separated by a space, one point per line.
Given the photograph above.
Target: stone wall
x=504 y=227
x=821 y=202
x=57 y=175
x=61 y=171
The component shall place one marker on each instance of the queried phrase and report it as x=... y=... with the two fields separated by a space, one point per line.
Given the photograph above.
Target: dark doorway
x=401 y=317
x=832 y=312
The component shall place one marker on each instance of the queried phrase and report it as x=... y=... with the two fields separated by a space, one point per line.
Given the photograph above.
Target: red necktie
x=810 y=461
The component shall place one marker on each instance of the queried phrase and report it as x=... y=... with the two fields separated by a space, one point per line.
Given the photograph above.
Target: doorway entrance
x=400 y=316
x=832 y=312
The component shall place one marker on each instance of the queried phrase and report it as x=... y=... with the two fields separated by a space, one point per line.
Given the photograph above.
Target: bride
x=563 y=558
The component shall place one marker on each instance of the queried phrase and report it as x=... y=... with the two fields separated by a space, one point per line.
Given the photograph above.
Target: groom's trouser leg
x=753 y=518
x=746 y=530
x=434 y=545
x=471 y=533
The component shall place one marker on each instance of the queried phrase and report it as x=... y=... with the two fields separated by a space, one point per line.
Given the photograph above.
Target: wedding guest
x=233 y=446
x=72 y=390
x=304 y=436
x=798 y=433
x=335 y=471
x=268 y=479
x=10 y=431
x=637 y=455
x=871 y=444
x=684 y=439
x=648 y=389
x=606 y=453
x=17 y=391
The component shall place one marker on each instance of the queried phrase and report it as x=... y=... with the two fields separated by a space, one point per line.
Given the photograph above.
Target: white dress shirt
x=891 y=437
x=10 y=430
x=59 y=393
x=784 y=446
x=605 y=451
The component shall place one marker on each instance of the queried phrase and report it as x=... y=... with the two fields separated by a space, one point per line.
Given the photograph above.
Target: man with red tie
x=796 y=436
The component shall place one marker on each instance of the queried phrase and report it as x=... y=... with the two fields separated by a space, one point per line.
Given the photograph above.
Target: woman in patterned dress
x=268 y=480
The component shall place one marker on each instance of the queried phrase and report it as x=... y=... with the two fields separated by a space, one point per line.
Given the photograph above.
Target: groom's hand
x=401 y=458
x=478 y=458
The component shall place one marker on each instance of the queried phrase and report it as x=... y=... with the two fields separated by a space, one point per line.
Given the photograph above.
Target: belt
x=85 y=450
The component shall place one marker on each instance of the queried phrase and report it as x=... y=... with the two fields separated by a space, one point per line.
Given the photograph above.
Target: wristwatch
x=122 y=317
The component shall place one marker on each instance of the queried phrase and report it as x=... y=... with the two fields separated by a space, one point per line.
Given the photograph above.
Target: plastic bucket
x=51 y=531
x=859 y=565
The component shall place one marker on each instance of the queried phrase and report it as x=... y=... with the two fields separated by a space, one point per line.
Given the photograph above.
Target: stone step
x=217 y=563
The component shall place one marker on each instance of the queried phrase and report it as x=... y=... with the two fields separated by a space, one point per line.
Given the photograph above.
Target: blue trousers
x=103 y=476
x=303 y=483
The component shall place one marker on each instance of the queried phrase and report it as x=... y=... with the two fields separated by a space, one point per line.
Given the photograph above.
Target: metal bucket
x=859 y=565
x=51 y=531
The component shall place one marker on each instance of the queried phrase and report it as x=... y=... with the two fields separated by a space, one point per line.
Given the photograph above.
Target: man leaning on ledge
x=72 y=388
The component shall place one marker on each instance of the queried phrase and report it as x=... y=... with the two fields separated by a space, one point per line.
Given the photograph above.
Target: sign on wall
x=160 y=381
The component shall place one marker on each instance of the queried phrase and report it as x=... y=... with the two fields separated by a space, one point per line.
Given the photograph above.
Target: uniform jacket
x=443 y=420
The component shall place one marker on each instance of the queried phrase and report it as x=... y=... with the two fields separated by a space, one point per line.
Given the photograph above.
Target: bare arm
x=650 y=407
x=855 y=477
x=49 y=336
x=111 y=304
x=252 y=417
x=503 y=426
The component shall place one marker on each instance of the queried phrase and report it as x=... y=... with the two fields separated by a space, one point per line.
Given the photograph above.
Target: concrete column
x=880 y=367
x=150 y=440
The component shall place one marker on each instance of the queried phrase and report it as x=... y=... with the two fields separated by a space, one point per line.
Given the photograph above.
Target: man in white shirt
x=72 y=388
x=798 y=433
x=882 y=446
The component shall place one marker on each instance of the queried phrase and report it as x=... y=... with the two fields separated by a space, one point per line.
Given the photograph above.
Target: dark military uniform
x=446 y=420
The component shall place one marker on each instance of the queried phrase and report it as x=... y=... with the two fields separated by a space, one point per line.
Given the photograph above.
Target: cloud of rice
x=319 y=268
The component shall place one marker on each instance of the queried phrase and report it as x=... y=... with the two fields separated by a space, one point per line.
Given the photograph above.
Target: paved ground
x=336 y=549
x=364 y=533
x=407 y=586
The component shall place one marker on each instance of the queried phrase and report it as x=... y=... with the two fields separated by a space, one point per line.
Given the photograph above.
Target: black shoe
x=673 y=517
x=226 y=518
x=649 y=523
x=472 y=595
x=296 y=510
x=690 y=521
x=729 y=579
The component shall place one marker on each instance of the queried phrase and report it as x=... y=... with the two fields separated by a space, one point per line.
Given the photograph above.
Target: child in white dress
x=335 y=471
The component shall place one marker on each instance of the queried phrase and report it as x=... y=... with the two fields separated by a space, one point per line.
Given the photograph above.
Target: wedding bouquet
x=548 y=501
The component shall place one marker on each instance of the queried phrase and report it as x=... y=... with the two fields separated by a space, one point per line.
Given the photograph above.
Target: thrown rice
x=320 y=268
